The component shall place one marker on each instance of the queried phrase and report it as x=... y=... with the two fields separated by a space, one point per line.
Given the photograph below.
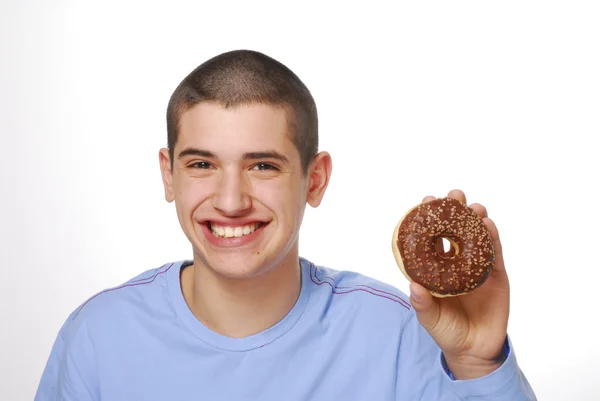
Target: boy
x=248 y=318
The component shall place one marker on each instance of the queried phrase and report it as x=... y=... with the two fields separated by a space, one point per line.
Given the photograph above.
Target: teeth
x=229 y=232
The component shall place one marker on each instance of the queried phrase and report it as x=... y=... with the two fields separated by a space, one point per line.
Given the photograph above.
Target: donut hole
x=445 y=247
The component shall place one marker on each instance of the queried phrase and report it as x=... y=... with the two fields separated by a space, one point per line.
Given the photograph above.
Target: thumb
x=426 y=307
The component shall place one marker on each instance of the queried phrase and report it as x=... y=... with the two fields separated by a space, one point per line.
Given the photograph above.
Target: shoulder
x=137 y=292
x=359 y=292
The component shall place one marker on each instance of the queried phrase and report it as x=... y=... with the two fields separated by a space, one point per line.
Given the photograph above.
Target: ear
x=319 y=173
x=167 y=174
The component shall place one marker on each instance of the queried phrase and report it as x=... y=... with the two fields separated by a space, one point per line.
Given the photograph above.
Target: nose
x=232 y=197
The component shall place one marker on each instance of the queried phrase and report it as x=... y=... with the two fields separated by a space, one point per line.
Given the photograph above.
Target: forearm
x=424 y=375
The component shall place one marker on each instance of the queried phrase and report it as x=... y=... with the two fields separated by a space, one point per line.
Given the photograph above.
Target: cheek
x=285 y=199
x=190 y=193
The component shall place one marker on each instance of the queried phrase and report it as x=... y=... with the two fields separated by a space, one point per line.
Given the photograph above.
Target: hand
x=469 y=329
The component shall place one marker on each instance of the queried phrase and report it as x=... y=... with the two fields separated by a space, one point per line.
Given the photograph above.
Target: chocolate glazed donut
x=459 y=271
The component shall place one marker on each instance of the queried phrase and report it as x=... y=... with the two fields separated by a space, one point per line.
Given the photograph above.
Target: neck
x=241 y=307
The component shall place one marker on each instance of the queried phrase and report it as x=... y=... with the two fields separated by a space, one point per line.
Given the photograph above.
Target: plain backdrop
x=499 y=99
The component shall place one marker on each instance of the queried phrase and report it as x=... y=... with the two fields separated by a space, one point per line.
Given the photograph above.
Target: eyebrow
x=195 y=152
x=265 y=154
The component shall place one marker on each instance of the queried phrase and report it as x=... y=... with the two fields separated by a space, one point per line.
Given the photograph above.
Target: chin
x=237 y=266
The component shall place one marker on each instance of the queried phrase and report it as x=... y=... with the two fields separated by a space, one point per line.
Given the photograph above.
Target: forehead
x=209 y=124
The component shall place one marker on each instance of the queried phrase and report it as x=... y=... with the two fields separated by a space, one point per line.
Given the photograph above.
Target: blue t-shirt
x=348 y=337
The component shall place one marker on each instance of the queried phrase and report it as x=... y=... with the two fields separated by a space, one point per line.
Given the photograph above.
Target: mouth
x=220 y=231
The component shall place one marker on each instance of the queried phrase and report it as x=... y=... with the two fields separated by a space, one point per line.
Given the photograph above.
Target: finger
x=480 y=209
x=458 y=195
x=426 y=307
x=428 y=198
x=493 y=230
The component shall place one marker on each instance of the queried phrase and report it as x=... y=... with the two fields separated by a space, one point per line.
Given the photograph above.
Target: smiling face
x=239 y=188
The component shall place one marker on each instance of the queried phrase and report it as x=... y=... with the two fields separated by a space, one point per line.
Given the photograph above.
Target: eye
x=201 y=165
x=264 y=166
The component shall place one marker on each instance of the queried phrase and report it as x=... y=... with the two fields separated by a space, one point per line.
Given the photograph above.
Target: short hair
x=245 y=77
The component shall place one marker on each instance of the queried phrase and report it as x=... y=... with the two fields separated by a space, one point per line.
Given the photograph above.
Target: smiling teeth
x=230 y=232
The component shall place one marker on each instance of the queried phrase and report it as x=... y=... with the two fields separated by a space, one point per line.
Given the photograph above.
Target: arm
x=70 y=372
x=423 y=373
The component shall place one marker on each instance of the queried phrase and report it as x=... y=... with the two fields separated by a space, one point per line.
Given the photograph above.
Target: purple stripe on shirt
x=131 y=284
x=346 y=290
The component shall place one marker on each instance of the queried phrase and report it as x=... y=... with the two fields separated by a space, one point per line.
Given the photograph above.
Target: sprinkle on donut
x=459 y=271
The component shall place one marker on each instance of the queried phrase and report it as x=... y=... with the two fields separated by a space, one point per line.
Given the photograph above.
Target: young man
x=249 y=319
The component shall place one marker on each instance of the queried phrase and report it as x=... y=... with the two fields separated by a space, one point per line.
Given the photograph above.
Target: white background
x=501 y=100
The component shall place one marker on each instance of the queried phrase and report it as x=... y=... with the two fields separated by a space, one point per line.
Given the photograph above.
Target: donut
x=461 y=270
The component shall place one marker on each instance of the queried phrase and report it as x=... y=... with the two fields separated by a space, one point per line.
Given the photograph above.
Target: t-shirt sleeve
x=70 y=372
x=422 y=375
